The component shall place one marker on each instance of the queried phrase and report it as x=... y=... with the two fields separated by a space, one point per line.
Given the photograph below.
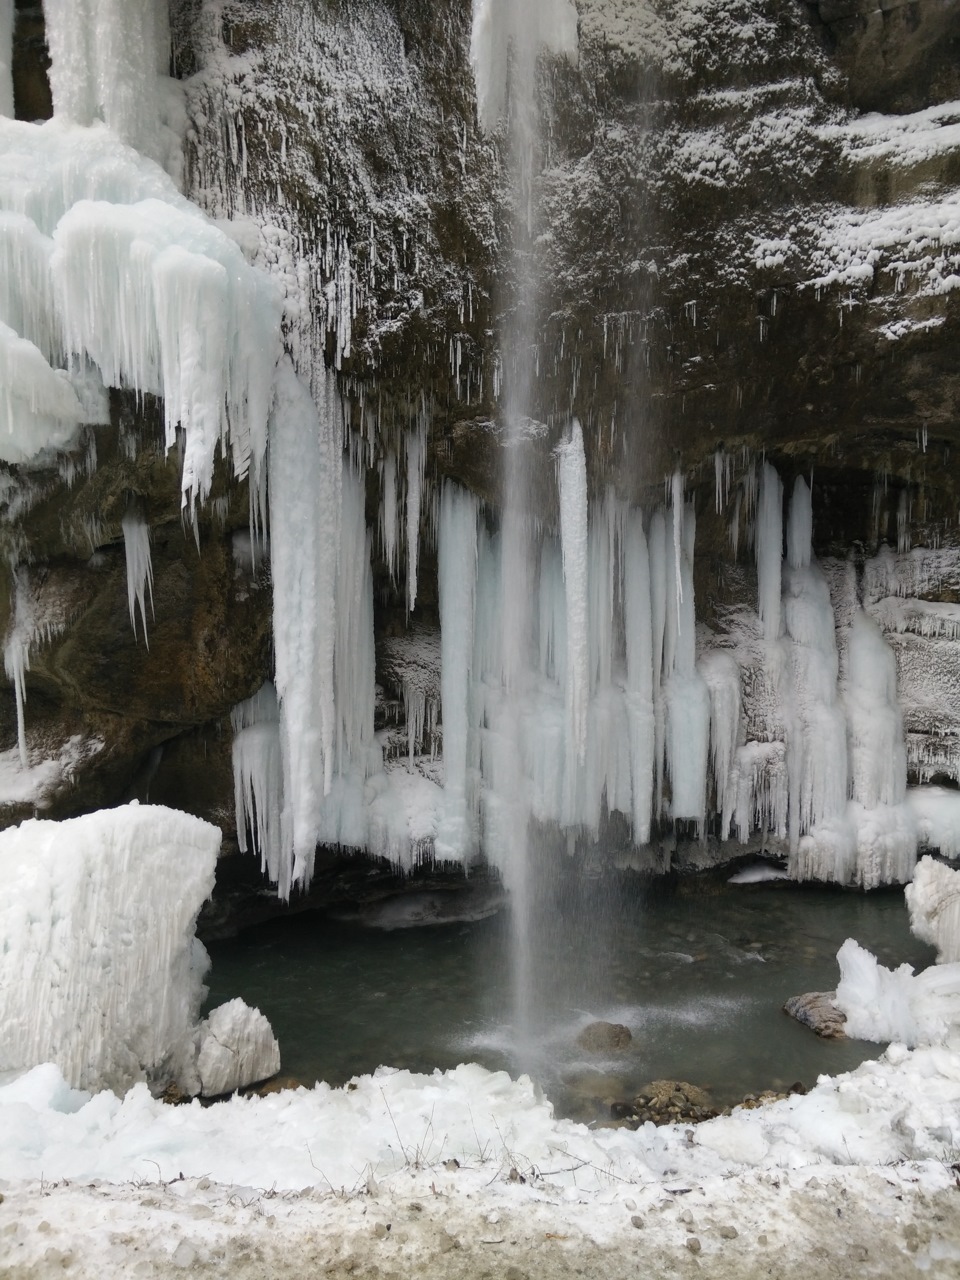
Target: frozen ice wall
x=100 y=971
x=107 y=60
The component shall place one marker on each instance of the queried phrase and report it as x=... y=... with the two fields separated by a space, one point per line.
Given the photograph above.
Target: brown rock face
x=604 y=1037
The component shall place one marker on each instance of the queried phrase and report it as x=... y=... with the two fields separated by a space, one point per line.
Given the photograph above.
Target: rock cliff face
x=733 y=262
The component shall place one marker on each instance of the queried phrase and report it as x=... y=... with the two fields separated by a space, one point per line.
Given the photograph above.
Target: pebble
x=637 y=1221
x=694 y=1245
x=761 y=1239
x=728 y=1233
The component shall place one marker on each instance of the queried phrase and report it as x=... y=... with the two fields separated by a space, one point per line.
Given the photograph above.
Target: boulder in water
x=816 y=1010
x=604 y=1037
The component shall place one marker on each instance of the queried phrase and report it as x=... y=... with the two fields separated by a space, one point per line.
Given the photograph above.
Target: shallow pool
x=698 y=971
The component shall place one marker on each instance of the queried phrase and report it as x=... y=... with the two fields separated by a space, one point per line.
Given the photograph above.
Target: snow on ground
x=467 y=1173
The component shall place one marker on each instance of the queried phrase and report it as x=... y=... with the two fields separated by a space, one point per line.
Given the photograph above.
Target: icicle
x=639 y=689
x=722 y=676
x=887 y=841
x=257 y=777
x=136 y=544
x=768 y=548
x=389 y=513
x=800 y=526
x=572 y=477
x=305 y=517
x=457 y=583
x=903 y=522
x=416 y=461
x=676 y=506
x=16 y=653
x=686 y=698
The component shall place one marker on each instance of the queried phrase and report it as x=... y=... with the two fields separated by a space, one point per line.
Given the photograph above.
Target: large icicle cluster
x=104 y=261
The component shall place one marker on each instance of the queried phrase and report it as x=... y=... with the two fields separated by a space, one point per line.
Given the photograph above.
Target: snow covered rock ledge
x=100 y=971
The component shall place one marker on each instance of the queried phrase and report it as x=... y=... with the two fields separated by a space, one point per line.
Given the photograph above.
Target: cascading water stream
x=506 y=42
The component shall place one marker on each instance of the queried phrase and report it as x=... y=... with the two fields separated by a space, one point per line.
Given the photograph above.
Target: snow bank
x=903 y=1106
x=100 y=971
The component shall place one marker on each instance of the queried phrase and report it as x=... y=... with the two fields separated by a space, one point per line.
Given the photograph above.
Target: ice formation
x=237 y=1048
x=108 y=261
x=887 y=1005
x=136 y=544
x=934 y=901
x=100 y=971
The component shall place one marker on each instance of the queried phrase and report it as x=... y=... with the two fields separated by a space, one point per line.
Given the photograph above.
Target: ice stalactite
x=343 y=818
x=107 y=57
x=305 y=502
x=389 y=513
x=456 y=834
x=639 y=687
x=686 y=697
x=136 y=545
x=814 y=717
x=721 y=673
x=572 y=477
x=768 y=548
x=886 y=828
x=16 y=652
x=258 y=777
x=7 y=18
x=416 y=456
x=163 y=302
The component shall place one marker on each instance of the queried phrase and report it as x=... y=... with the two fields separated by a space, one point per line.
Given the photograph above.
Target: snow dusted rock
x=237 y=1048
x=934 y=902
x=100 y=972
x=817 y=1010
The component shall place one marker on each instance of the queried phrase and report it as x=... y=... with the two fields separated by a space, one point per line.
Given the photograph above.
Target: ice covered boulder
x=934 y=902
x=237 y=1048
x=100 y=971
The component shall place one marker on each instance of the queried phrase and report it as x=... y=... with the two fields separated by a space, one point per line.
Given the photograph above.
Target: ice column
x=305 y=503
x=813 y=715
x=257 y=777
x=639 y=685
x=686 y=696
x=7 y=18
x=769 y=549
x=136 y=544
x=886 y=828
x=16 y=653
x=416 y=461
x=572 y=476
x=458 y=571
